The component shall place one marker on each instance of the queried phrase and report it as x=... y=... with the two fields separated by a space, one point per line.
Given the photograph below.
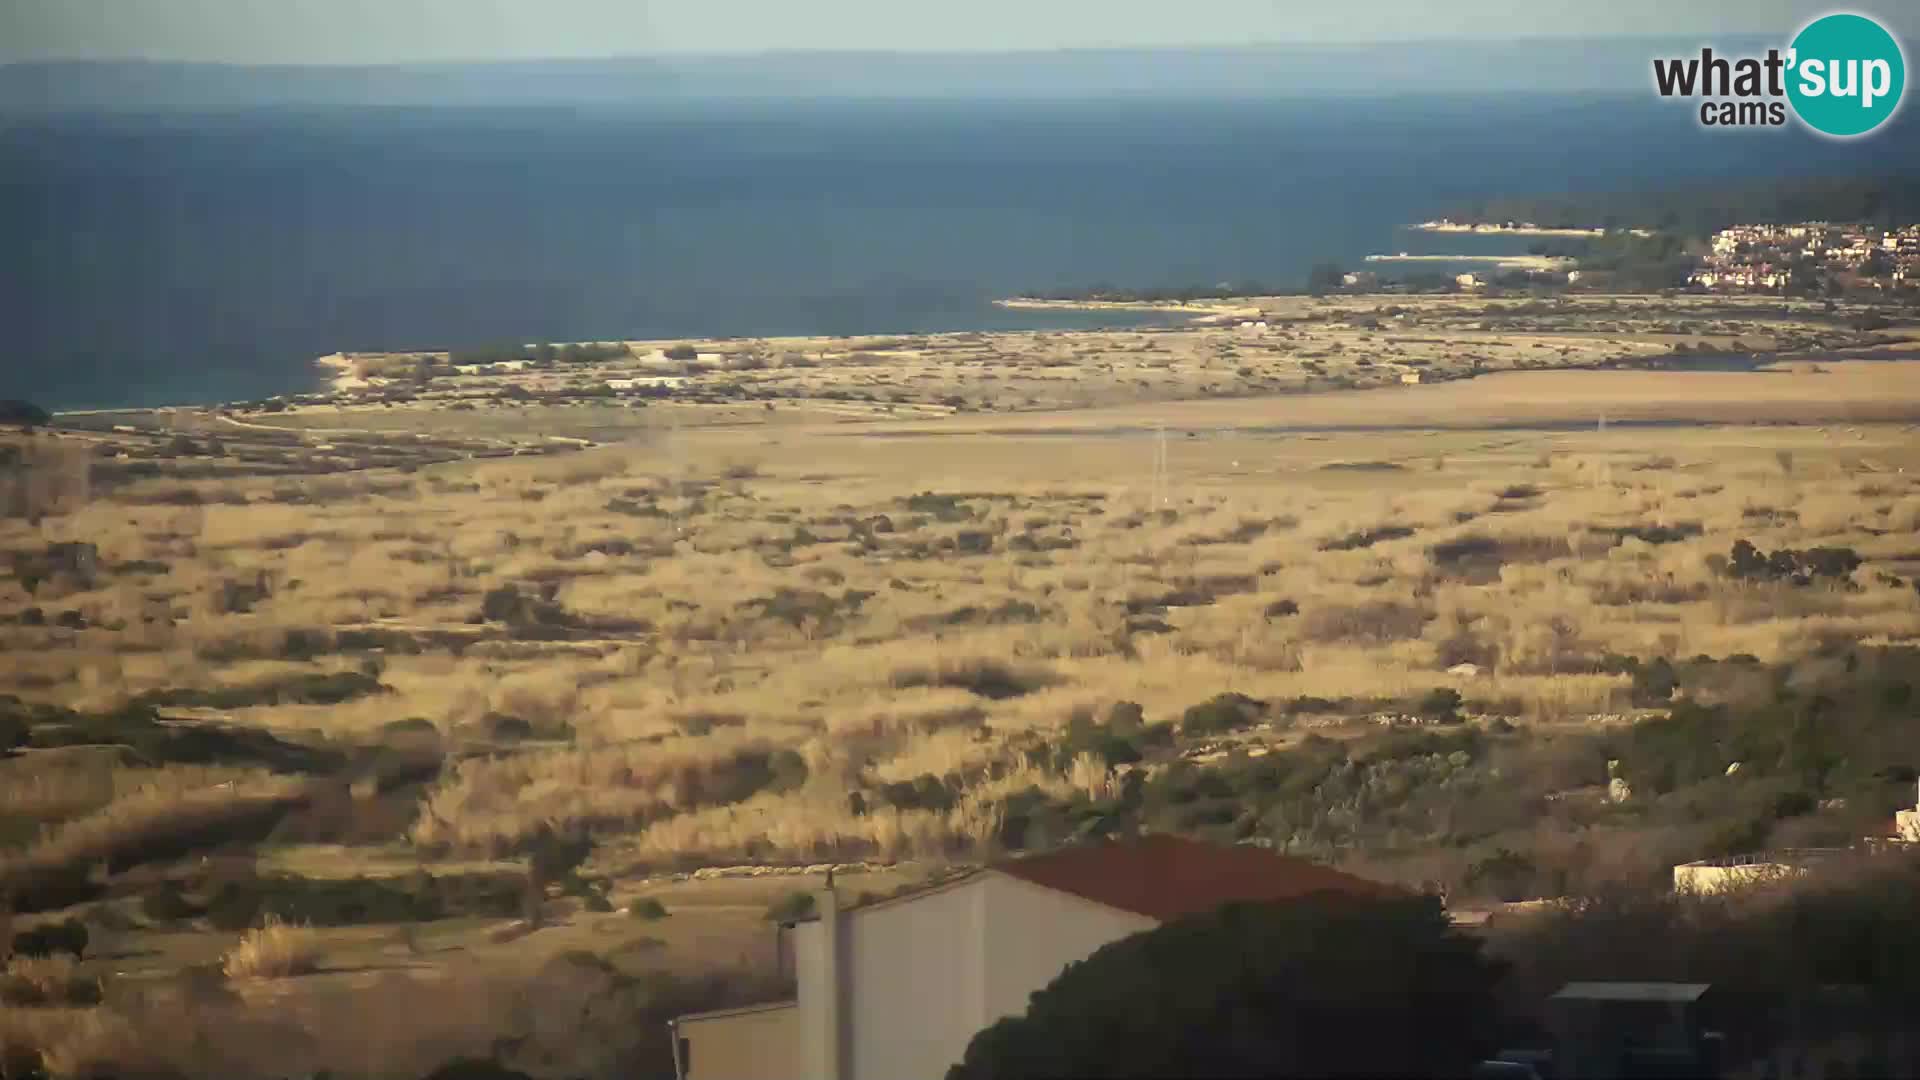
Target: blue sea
x=198 y=257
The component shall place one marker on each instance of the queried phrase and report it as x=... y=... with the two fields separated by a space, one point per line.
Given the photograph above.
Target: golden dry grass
x=150 y=820
x=735 y=599
x=753 y=606
x=45 y=981
x=48 y=788
x=276 y=950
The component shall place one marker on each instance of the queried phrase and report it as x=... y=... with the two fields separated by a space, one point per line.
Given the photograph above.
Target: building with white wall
x=1906 y=823
x=898 y=987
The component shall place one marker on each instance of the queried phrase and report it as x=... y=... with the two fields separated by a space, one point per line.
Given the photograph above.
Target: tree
x=1307 y=988
x=1324 y=278
x=17 y=413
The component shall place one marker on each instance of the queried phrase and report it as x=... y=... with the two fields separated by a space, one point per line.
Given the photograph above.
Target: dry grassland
x=740 y=641
x=796 y=596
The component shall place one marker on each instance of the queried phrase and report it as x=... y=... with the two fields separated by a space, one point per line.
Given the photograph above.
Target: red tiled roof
x=1169 y=877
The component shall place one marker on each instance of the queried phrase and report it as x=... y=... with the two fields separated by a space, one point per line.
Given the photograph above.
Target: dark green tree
x=17 y=413
x=1324 y=278
x=1323 y=986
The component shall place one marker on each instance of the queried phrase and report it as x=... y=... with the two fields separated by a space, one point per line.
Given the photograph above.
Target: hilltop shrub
x=1220 y=714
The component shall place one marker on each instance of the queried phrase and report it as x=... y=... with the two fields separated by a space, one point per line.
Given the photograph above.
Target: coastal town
x=1810 y=255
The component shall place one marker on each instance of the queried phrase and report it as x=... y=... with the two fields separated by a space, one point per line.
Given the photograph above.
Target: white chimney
x=821 y=992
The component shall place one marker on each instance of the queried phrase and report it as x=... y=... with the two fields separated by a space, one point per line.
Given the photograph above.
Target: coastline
x=345 y=373
x=1514 y=230
x=1202 y=311
x=1500 y=262
x=1288 y=344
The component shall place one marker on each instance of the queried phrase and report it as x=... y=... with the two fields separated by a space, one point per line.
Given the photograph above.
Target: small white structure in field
x=1411 y=378
x=1906 y=823
x=1618 y=790
x=1742 y=871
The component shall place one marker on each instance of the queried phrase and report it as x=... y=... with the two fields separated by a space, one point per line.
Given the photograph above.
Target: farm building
x=866 y=1008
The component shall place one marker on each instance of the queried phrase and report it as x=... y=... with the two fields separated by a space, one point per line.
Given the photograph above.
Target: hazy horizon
x=1544 y=38
x=383 y=32
x=1525 y=66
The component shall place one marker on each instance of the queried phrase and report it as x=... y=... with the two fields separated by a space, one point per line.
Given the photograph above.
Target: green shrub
x=553 y=856
x=1126 y=718
x=1219 y=714
x=333 y=688
x=410 y=727
x=1441 y=703
x=923 y=792
x=1176 y=1000
x=1366 y=539
x=323 y=902
x=1748 y=563
x=166 y=903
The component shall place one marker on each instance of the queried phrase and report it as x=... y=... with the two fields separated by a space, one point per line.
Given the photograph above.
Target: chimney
x=821 y=993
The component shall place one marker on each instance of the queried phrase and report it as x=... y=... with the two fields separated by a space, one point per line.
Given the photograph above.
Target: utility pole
x=676 y=470
x=1606 y=461
x=1159 y=465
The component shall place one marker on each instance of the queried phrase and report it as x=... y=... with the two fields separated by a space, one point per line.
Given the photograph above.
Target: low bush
x=1748 y=563
x=332 y=688
x=165 y=903
x=1366 y=538
x=1440 y=704
x=276 y=950
x=1220 y=714
x=984 y=677
x=68 y=936
x=46 y=982
x=1371 y=623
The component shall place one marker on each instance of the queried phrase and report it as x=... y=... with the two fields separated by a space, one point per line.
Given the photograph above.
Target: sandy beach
x=1502 y=262
x=345 y=375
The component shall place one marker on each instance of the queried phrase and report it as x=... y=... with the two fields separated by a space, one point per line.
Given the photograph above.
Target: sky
x=400 y=31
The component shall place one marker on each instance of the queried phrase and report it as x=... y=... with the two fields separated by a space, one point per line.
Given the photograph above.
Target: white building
x=898 y=987
x=1738 y=871
x=1906 y=823
x=652 y=382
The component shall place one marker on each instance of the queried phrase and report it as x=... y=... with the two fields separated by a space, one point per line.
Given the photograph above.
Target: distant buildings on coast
x=1515 y=228
x=1810 y=255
